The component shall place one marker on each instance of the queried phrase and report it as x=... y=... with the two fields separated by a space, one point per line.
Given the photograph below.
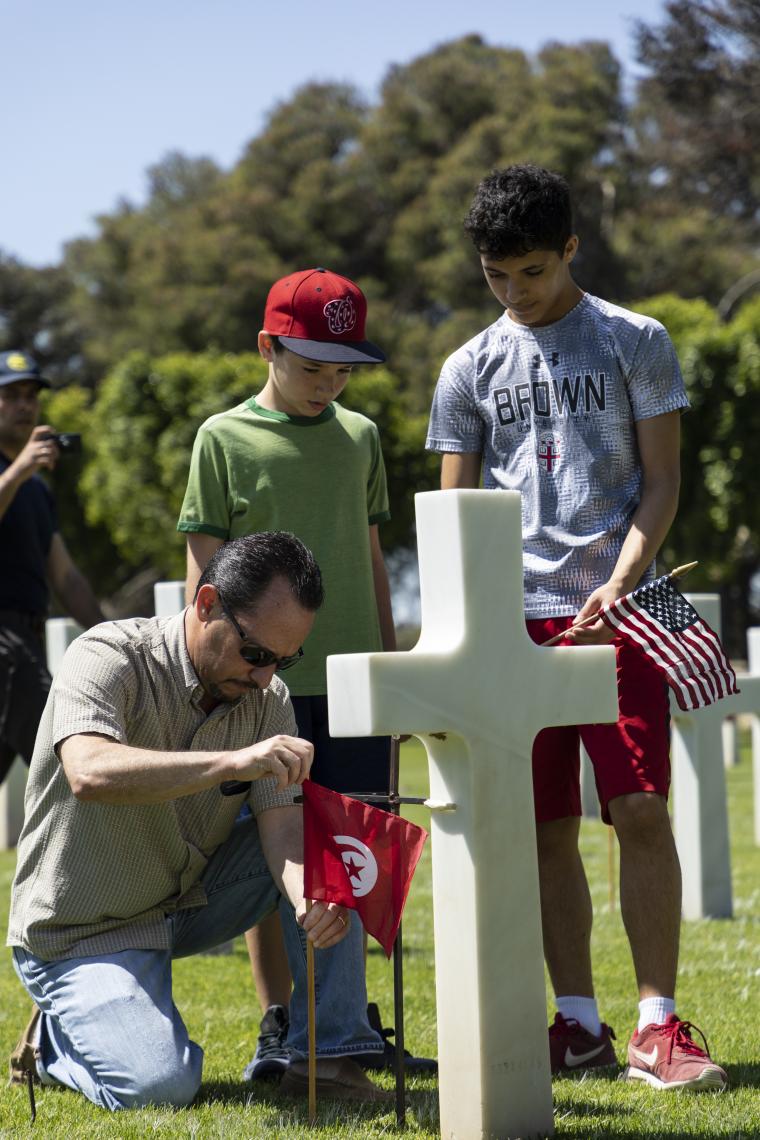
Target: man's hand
x=40 y=450
x=596 y=632
x=287 y=758
x=325 y=924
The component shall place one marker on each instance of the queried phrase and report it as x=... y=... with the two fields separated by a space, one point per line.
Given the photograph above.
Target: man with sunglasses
x=132 y=853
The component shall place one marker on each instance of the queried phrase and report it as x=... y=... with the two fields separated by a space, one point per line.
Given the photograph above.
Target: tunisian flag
x=360 y=857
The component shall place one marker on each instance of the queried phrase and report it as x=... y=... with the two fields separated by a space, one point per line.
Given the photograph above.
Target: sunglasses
x=257 y=655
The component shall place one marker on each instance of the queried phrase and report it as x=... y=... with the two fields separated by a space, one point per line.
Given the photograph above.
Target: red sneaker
x=572 y=1048
x=666 y=1058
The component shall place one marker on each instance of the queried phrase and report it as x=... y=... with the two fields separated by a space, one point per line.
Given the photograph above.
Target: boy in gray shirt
x=576 y=403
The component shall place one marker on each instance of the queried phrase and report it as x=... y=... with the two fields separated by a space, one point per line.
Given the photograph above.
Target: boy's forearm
x=200 y=547
x=460 y=470
x=382 y=591
x=384 y=607
x=659 y=447
x=649 y=527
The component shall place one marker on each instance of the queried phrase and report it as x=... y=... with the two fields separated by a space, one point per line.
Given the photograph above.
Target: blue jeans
x=110 y=1028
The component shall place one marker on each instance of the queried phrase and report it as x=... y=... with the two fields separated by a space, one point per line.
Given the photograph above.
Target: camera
x=69 y=442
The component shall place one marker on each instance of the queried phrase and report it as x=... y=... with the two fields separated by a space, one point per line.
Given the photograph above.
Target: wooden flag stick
x=677 y=573
x=312 y=1027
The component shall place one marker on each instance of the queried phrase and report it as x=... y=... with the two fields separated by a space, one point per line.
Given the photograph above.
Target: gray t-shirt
x=97 y=878
x=552 y=410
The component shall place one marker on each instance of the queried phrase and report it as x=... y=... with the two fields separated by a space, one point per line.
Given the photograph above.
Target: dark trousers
x=345 y=764
x=24 y=686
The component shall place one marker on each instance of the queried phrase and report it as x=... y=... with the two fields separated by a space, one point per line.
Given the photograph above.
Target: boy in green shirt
x=292 y=459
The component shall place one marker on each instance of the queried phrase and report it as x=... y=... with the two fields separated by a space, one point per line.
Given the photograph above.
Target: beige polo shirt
x=97 y=878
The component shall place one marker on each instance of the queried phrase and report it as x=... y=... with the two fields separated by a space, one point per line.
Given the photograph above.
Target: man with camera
x=33 y=556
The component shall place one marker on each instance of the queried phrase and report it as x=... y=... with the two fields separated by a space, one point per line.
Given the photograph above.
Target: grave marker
x=700 y=812
x=476 y=676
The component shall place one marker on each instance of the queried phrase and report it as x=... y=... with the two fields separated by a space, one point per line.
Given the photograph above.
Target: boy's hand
x=596 y=632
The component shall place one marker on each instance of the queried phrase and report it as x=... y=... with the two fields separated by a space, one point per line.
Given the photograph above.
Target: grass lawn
x=719 y=989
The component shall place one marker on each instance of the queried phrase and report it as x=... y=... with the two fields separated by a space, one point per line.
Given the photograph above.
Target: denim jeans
x=110 y=1028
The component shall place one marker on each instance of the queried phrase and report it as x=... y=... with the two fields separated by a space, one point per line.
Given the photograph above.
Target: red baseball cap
x=321 y=315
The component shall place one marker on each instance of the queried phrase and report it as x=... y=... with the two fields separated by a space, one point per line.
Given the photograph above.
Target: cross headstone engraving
x=476 y=676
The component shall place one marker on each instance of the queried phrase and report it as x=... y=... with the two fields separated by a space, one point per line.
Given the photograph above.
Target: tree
x=695 y=154
x=141 y=430
x=445 y=120
x=666 y=190
x=377 y=193
x=70 y=409
x=143 y=424
x=703 y=98
x=34 y=315
x=718 y=520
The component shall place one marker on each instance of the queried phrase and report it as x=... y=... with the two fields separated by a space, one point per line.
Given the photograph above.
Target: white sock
x=583 y=1010
x=655 y=1011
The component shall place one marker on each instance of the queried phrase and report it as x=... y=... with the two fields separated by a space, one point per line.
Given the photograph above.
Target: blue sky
x=95 y=91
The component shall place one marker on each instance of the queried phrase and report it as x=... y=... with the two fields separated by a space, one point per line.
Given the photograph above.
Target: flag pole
x=677 y=573
x=312 y=1027
x=398 y=959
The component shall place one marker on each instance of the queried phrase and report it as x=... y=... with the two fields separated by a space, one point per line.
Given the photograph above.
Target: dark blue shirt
x=26 y=531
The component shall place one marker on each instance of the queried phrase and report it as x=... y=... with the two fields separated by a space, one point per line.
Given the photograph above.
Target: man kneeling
x=131 y=856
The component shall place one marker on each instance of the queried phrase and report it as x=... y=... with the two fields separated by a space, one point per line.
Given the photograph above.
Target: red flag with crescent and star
x=359 y=857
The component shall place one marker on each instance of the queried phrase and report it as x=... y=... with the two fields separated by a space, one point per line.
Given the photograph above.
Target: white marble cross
x=476 y=676
x=753 y=658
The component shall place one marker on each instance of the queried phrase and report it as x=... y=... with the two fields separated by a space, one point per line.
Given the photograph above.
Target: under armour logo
x=538 y=360
x=341 y=315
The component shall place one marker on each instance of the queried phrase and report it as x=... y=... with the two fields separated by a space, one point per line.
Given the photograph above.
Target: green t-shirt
x=320 y=478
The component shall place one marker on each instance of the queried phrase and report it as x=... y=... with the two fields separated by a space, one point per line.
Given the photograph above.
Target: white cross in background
x=476 y=676
x=700 y=810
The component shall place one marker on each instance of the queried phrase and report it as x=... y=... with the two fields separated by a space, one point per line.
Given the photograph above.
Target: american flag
x=658 y=619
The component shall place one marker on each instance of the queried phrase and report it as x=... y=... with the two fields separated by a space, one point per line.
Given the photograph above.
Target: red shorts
x=632 y=755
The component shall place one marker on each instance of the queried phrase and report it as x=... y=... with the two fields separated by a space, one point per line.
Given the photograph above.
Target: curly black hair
x=519 y=209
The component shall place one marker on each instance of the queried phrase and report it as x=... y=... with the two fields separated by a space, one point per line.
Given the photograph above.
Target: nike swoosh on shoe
x=647 y=1058
x=572 y=1060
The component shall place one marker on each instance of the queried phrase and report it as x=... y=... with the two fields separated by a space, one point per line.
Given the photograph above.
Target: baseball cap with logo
x=16 y=365
x=320 y=315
